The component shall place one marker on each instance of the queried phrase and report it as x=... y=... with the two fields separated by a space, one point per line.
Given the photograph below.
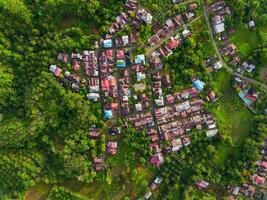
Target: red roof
x=251 y=98
x=120 y=54
x=170 y=99
x=155 y=161
x=76 y=66
x=114 y=106
x=259 y=180
x=109 y=53
x=192 y=6
x=104 y=84
x=58 y=72
x=264 y=164
x=112 y=82
x=173 y=43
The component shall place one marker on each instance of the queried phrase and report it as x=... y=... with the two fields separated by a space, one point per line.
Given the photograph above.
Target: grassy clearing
x=39 y=192
x=233 y=118
x=245 y=40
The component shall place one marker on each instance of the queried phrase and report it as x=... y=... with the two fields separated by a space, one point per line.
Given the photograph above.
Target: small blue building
x=198 y=84
x=108 y=114
x=140 y=59
x=108 y=43
x=121 y=63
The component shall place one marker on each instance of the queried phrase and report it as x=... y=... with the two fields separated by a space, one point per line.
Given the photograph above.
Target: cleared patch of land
x=233 y=118
x=245 y=40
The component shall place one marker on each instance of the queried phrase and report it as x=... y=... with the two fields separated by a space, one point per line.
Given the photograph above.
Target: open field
x=245 y=40
x=233 y=118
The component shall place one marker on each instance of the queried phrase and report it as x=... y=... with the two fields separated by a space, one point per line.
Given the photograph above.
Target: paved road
x=229 y=69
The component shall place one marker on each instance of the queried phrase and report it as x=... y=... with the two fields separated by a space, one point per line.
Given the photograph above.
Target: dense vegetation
x=43 y=127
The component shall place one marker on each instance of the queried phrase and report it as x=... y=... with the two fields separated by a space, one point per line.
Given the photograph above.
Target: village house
x=63 y=57
x=131 y=5
x=98 y=164
x=176 y=144
x=94 y=133
x=192 y=6
x=142 y=120
x=157 y=159
x=55 y=70
x=217 y=6
x=90 y=63
x=112 y=148
x=186 y=33
x=258 y=180
x=202 y=185
x=93 y=96
x=211 y=96
x=156 y=63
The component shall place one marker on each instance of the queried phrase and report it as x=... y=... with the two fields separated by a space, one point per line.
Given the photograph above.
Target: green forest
x=44 y=127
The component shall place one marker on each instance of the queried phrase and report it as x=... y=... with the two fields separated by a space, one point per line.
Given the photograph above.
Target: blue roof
x=199 y=85
x=108 y=43
x=121 y=63
x=107 y=114
x=243 y=97
x=139 y=59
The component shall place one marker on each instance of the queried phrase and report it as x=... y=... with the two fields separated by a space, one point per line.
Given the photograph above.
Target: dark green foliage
x=44 y=128
x=61 y=193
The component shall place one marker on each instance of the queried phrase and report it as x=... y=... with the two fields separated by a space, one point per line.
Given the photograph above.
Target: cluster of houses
x=74 y=80
x=229 y=49
x=98 y=162
x=246 y=67
x=247 y=93
x=171 y=24
x=153 y=187
x=250 y=189
x=108 y=81
x=125 y=92
x=219 y=11
x=174 y=122
x=142 y=120
x=141 y=15
x=120 y=41
x=123 y=18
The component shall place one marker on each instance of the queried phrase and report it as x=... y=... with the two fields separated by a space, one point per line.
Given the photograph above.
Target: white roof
x=169 y=22
x=86 y=53
x=138 y=106
x=159 y=101
x=148 y=195
x=67 y=73
x=251 y=23
x=185 y=32
x=158 y=180
x=53 y=68
x=219 y=28
x=250 y=68
x=211 y=133
x=217 y=65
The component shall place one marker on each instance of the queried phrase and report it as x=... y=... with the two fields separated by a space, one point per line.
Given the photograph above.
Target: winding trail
x=229 y=69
